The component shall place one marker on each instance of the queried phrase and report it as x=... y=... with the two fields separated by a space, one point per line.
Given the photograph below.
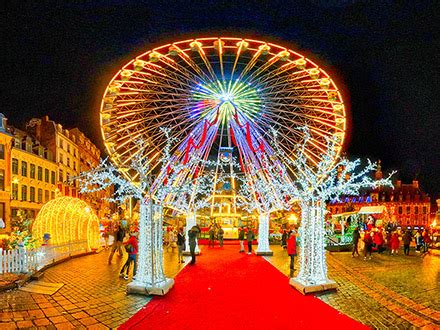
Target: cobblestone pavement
x=387 y=292
x=93 y=296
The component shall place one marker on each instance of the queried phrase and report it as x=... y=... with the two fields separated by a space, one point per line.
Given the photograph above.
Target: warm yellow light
x=67 y=219
x=300 y=63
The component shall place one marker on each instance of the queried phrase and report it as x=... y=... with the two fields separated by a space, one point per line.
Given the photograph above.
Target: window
x=52 y=177
x=40 y=195
x=425 y=210
x=416 y=210
x=24 y=193
x=60 y=176
x=66 y=191
x=408 y=209
x=400 y=210
x=32 y=194
x=32 y=171
x=46 y=175
x=68 y=161
x=40 y=173
x=68 y=148
x=2 y=151
x=14 y=166
x=2 y=180
x=23 y=168
x=52 y=195
x=46 y=196
x=15 y=191
x=74 y=166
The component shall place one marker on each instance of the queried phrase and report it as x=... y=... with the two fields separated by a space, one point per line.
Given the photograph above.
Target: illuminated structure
x=66 y=220
x=223 y=98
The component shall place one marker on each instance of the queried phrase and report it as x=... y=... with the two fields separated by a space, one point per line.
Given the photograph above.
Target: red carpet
x=205 y=241
x=230 y=290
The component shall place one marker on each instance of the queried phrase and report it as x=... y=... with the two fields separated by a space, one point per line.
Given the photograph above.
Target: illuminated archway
x=67 y=219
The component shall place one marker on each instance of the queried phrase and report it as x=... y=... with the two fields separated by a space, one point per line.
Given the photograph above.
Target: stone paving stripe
x=42 y=287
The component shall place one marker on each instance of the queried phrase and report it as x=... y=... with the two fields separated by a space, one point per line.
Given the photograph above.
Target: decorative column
x=150 y=277
x=190 y=222
x=312 y=276
x=263 y=248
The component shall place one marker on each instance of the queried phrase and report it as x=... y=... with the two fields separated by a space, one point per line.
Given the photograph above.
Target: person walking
x=131 y=246
x=117 y=243
x=291 y=251
x=356 y=236
x=368 y=240
x=180 y=244
x=395 y=243
x=211 y=241
x=426 y=240
x=419 y=241
x=284 y=239
x=407 y=238
x=192 y=237
x=241 y=238
x=250 y=237
x=220 y=234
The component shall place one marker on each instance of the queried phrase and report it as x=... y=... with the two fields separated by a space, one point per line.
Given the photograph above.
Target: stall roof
x=345 y=214
x=372 y=209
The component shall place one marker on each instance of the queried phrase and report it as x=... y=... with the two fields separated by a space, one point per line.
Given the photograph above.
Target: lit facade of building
x=35 y=167
x=5 y=176
x=406 y=204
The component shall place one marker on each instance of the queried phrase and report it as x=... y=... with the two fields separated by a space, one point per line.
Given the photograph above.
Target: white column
x=190 y=222
x=312 y=274
x=263 y=235
x=150 y=277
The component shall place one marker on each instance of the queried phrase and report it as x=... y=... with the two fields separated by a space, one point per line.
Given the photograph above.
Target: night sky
x=57 y=58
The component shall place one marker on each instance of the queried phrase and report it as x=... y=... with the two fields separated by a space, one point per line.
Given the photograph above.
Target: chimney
x=398 y=184
x=415 y=184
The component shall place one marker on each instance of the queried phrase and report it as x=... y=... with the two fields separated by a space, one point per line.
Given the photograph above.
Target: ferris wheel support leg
x=263 y=248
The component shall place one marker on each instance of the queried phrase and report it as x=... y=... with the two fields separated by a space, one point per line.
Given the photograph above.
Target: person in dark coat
x=220 y=234
x=291 y=251
x=132 y=249
x=284 y=239
x=119 y=236
x=368 y=240
x=250 y=237
x=192 y=238
x=180 y=244
x=407 y=238
x=211 y=241
x=356 y=236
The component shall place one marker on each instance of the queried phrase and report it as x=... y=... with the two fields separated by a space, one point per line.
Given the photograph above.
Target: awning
x=345 y=214
x=372 y=209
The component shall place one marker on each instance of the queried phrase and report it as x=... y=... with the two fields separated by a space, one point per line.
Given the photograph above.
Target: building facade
x=36 y=166
x=406 y=204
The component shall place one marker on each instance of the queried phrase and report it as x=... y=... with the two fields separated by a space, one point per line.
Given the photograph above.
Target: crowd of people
x=380 y=239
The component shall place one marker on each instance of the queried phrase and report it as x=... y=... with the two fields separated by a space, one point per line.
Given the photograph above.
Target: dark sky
x=58 y=56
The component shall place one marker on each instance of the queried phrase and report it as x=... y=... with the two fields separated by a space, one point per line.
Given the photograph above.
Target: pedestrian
x=407 y=238
x=220 y=234
x=241 y=238
x=250 y=237
x=394 y=243
x=180 y=244
x=211 y=236
x=284 y=239
x=131 y=246
x=378 y=240
x=419 y=241
x=105 y=235
x=119 y=236
x=192 y=237
x=368 y=240
x=356 y=236
x=426 y=240
x=291 y=251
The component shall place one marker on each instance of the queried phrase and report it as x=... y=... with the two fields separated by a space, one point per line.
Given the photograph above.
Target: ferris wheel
x=223 y=94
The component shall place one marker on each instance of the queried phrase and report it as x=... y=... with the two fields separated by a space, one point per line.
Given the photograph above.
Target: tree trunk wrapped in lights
x=263 y=235
x=190 y=222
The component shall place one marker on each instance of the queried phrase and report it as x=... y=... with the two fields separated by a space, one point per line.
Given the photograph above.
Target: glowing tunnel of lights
x=221 y=92
x=67 y=219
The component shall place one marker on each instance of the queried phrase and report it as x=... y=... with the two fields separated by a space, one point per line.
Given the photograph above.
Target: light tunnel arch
x=67 y=219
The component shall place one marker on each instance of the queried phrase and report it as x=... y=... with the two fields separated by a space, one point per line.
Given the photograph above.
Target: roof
x=372 y=209
x=344 y=214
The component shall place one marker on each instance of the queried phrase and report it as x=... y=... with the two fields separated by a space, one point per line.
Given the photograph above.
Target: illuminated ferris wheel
x=221 y=96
